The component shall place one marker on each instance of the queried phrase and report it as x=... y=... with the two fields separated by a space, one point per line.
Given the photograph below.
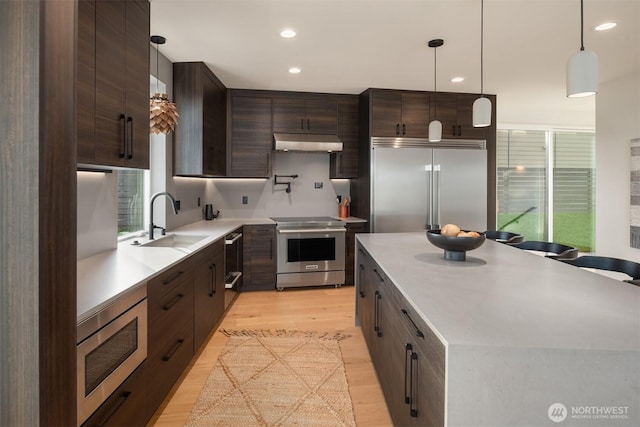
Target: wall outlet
x=178 y=204
x=318 y=185
x=245 y=200
x=198 y=201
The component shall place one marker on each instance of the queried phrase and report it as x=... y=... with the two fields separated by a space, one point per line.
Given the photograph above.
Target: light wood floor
x=314 y=309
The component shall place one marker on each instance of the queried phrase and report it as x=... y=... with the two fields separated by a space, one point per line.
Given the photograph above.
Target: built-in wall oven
x=310 y=251
x=111 y=345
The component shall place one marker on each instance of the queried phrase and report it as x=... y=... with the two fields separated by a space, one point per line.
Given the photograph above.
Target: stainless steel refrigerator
x=418 y=185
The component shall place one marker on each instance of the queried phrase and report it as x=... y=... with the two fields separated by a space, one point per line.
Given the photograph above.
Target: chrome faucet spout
x=174 y=205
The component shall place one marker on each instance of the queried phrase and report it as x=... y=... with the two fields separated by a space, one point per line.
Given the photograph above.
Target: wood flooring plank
x=315 y=309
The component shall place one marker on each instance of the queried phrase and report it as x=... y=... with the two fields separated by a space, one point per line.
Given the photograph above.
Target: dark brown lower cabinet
x=170 y=340
x=408 y=357
x=124 y=407
x=350 y=248
x=259 y=257
x=209 y=270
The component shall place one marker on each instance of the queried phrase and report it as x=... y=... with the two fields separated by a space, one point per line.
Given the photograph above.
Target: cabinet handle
x=413 y=385
x=397 y=128
x=123 y=152
x=408 y=350
x=212 y=279
x=404 y=129
x=415 y=327
x=173 y=302
x=130 y=126
x=173 y=350
x=378 y=274
x=114 y=408
x=301 y=124
x=362 y=294
x=459 y=130
x=376 y=313
x=308 y=124
x=453 y=129
x=271 y=248
x=178 y=274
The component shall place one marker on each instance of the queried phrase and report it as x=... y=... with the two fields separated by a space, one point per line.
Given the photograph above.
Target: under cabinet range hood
x=307 y=142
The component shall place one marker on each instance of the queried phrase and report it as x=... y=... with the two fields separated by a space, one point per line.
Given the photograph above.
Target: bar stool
x=630 y=268
x=504 y=236
x=553 y=250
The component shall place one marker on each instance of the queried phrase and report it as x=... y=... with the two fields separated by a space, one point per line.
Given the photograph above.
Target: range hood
x=307 y=142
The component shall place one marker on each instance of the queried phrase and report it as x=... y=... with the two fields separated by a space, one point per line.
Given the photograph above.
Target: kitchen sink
x=175 y=240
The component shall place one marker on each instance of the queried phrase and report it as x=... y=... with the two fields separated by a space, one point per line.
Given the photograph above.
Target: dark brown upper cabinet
x=113 y=83
x=455 y=111
x=344 y=164
x=200 y=136
x=251 y=136
x=399 y=113
x=298 y=115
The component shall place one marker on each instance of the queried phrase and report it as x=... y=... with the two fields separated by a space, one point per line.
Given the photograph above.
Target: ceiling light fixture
x=435 y=126
x=582 y=68
x=163 y=115
x=457 y=79
x=294 y=70
x=605 y=26
x=482 y=105
x=287 y=33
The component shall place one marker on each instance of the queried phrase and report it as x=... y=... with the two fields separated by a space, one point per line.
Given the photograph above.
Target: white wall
x=617 y=122
x=266 y=199
x=97 y=224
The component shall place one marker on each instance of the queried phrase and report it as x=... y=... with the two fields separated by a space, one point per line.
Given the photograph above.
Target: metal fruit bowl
x=455 y=248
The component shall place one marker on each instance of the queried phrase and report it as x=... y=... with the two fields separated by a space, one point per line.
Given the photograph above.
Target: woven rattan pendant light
x=163 y=115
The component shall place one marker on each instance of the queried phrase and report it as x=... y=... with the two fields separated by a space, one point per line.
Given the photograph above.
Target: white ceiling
x=346 y=46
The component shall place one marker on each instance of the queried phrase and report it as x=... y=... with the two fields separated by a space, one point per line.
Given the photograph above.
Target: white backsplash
x=97 y=212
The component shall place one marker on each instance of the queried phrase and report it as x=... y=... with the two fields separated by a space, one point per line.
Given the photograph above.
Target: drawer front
x=169 y=314
x=169 y=280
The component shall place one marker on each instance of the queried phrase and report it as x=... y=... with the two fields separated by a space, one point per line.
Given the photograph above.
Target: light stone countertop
x=522 y=333
x=105 y=277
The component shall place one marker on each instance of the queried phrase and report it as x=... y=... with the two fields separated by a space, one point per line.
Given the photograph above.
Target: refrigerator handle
x=428 y=225
x=436 y=196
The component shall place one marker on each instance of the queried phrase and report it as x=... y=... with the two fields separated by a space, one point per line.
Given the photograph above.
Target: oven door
x=109 y=356
x=311 y=250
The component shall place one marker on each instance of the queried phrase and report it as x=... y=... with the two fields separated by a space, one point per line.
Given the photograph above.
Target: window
x=131 y=189
x=546 y=185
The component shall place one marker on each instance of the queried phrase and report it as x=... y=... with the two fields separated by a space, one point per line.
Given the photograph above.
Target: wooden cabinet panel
x=345 y=163
x=251 y=142
x=123 y=407
x=400 y=114
x=352 y=229
x=209 y=270
x=120 y=92
x=259 y=261
x=455 y=111
x=170 y=334
x=200 y=137
x=299 y=115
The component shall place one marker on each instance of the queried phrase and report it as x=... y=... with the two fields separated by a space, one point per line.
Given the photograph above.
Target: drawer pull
x=212 y=279
x=413 y=404
x=379 y=275
x=418 y=331
x=114 y=408
x=173 y=302
x=376 y=314
x=361 y=294
x=168 y=281
x=173 y=350
x=408 y=350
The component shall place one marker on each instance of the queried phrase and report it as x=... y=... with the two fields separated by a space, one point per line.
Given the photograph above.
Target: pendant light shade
x=163 y=114
x=435 y=126
x=582 y=74
x=481 y=106
x=582 y=68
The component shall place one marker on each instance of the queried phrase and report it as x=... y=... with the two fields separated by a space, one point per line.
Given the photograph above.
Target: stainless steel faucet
x=173 y=204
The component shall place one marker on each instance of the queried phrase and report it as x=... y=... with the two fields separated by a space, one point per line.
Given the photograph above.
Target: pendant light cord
x=581 y=24
x=481 y=47
x=435 y=82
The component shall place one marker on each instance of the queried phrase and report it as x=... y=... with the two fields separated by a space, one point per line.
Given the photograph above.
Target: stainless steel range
x=310 y=251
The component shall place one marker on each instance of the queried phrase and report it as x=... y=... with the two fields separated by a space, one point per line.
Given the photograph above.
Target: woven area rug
x=276 y=378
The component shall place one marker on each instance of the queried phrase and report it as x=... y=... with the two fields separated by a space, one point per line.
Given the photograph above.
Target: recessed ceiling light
x=457 y=79
x=287 y=33
x=294 y=70
x=605 y=26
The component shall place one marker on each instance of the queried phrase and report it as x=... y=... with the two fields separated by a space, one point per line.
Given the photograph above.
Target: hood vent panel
x=307 y=142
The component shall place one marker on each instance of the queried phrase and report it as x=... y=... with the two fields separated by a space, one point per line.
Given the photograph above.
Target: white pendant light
x=582 y=68
x=435 y=126
x=482 y=105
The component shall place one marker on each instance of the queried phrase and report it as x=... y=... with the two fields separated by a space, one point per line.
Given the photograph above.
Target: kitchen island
x=509 y=337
